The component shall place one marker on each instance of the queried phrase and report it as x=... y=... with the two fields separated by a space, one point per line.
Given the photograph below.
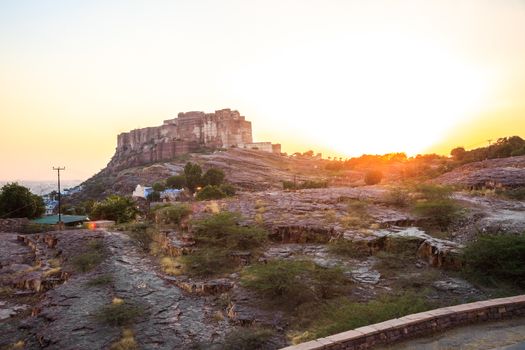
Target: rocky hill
x=249 y=170
x=501 y=172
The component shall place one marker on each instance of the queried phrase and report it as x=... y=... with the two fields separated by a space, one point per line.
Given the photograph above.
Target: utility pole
x=59 y=199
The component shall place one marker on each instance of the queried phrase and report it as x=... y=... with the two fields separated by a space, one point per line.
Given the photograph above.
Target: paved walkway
x=503 y=335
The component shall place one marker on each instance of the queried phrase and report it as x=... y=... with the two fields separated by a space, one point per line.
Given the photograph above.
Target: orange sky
x=341 y=77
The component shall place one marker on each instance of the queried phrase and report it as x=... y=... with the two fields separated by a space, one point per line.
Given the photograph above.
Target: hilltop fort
x=189 y=132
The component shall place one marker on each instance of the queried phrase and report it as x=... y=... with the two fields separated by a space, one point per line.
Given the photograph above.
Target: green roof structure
x=66 y=219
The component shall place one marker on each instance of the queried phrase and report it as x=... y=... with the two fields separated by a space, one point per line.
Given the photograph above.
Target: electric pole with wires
x=59 y=199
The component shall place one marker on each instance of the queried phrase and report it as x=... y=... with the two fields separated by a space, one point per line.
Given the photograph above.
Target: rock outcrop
x=490 y=173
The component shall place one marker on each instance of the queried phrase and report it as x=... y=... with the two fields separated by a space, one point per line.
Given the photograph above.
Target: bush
x=193 y=175
x=91 y=258
x=290 y=185
x=513 y=193
x=116 y=208
x=247 y=338
x=342 y=314
x=141 y=234
x=433 y=192
x=223 y=230
x=119 y=314
x=213 y=177
x=216 y=237
x=373 y=177
x=496 y=258
x=293 y=282
x=158 y=187
x=173 y=214
x=440 y=212
x=345 y=247
x=397 y=197
x=210 y=192
x=207 y=262
x=17 y=201
x=227 y=189
x=176 y=181
x=154 y=196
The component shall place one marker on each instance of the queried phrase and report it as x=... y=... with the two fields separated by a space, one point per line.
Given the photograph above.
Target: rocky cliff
x=189 y=132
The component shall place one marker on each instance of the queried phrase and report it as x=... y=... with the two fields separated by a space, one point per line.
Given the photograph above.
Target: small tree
x=210 y=192
x=373 y=177
x=213 y=176
x=158 y=187
x=154 y=196
x=176 y=181
x=193 y=174
x=116 y=208
x=458 y=153
x=17 y=201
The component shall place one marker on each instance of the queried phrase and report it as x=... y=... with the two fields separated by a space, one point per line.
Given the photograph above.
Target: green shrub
x=373 y=177
x=293 y=282
x=345 y=247
x=210 y=192
x=116 y=208
x=440 y=212
x=87 y=261
x=397 y=197
x=227 y=189
x=119 y=314
x=222 y=230
x=154 y=196
x=433 y=192
x=17 y=201
x=512 y=193
x=496 y=258
x=91 y=258
x=207 y=262
x=176 y=181
x=159 y=187
x=173 y=214
x=141 y=234
x=290 y=185
x=342 y=314
x=247 y=339
x=213 y=177
x=193 y=175
x=216 y=237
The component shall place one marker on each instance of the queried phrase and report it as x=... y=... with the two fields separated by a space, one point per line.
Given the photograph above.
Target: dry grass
x=126 y=342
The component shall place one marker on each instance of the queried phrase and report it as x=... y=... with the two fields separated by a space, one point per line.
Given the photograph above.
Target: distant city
x=43 y=187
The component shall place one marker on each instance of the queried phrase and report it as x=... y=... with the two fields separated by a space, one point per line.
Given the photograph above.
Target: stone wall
x=13 y=225
x=416 y=325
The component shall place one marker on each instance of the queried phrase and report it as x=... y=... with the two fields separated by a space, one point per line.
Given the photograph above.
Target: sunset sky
x=338 y=76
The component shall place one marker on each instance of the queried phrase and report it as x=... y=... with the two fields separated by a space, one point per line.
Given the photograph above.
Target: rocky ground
x=63 y=317
x=47 y=302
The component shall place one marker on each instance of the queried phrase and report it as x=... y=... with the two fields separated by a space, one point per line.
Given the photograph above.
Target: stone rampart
x=416 y=325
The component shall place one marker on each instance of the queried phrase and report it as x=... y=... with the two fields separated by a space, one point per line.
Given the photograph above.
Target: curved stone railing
x=414 y=325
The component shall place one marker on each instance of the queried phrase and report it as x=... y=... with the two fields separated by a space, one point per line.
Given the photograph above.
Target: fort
x=189 y=132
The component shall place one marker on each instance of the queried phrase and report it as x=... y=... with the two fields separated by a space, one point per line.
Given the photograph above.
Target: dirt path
x=66 y=317
x=173 y=320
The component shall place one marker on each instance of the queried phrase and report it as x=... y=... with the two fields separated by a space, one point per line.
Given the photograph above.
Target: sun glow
x=379 y=93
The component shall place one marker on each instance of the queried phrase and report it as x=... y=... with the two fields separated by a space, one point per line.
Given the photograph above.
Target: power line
x=59 y=197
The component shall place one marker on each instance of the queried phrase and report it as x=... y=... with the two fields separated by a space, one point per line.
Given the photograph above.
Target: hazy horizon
x=343 y=78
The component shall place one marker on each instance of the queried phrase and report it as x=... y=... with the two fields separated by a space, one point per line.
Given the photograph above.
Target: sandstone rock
x=490 y=173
